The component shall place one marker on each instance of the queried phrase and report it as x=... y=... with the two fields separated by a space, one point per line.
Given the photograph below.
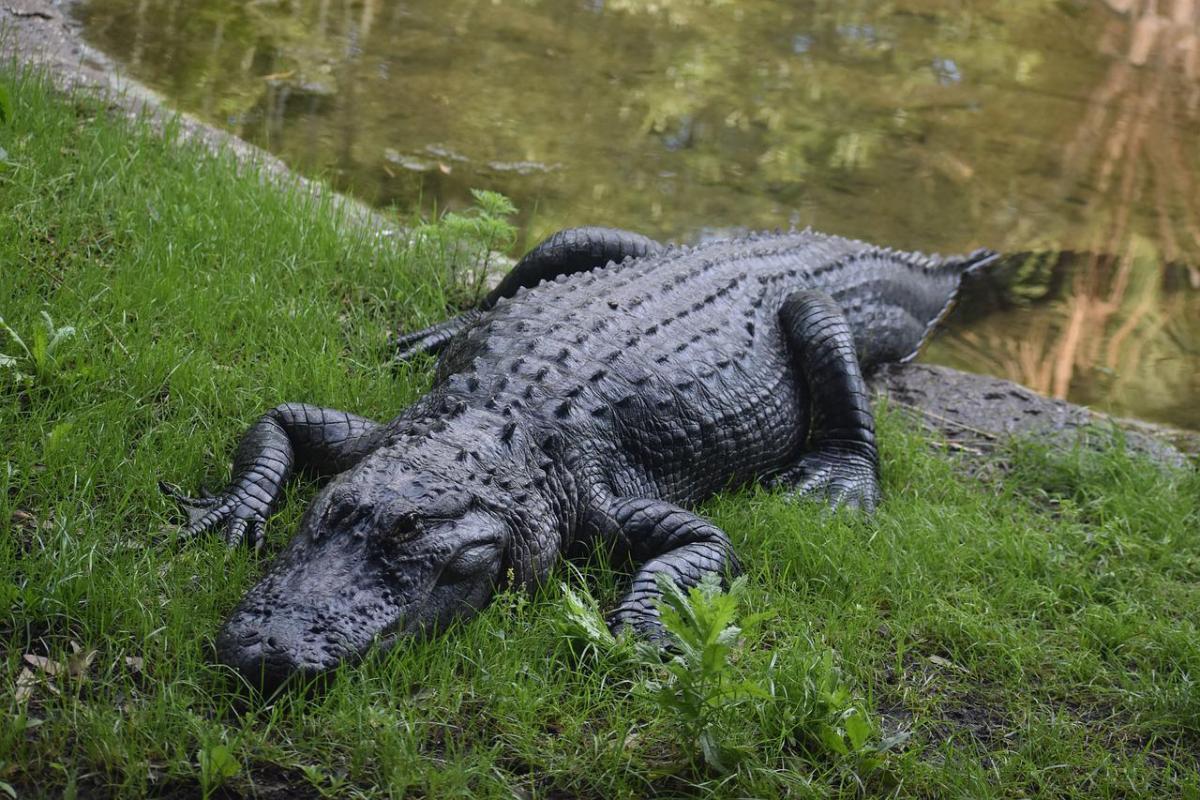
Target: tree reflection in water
x=1125 y=325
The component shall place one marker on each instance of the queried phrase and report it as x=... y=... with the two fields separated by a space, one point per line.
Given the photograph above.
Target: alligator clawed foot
x=410 y=345
x=432 y=340
x=842 y=479
x=427 y=346
x=646 y=629
x=234 y=513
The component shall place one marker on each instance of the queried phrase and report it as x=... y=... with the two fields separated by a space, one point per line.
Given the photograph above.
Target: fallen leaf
x=444 y=168
x=943 y=662
x=44 y=664
x=135 y=663
x=25 y=683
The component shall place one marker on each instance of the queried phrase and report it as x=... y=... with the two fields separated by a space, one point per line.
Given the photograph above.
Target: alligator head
x=376 y=557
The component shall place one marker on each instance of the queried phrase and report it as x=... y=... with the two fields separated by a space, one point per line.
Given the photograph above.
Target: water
x=1068 y=129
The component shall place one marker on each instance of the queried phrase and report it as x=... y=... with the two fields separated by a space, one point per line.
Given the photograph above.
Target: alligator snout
x=270 y=652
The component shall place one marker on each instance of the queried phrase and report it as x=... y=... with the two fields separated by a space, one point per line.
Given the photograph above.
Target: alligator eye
x=408 y=524
x=469 y=562
x=342 y=510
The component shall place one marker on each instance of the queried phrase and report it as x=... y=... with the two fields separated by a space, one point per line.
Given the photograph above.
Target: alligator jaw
x=292 y=643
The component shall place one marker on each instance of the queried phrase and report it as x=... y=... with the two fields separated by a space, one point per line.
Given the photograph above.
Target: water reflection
x=1054 y=126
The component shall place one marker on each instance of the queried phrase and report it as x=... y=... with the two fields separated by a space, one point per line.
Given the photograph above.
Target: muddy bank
x=971 y=412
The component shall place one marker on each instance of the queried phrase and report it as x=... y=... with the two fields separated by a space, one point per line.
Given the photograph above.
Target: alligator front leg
x=660 y=538
x=432 y=340
x=842 y=465
x=290 y=436
x=565 y=253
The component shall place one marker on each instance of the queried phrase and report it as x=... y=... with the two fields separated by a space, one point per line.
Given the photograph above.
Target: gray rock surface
x=974 y=413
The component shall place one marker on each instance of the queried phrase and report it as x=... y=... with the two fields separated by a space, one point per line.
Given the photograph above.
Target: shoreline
x=41 y=34
x=995 y=580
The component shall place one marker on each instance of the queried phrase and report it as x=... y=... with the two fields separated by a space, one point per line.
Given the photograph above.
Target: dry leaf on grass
x=945 y=662
x=43 y=664
x=25 y=683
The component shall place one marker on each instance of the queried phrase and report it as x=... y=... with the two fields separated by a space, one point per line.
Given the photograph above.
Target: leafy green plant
x=38 y=359
x=582 y=621
x=812 y=710
x=5 y=105
x=725 y=705
x=469 y=240
x=217 y=765
x=705 y=688
x=327 y=784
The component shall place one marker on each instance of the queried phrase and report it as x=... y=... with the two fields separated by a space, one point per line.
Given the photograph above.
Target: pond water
x=1064 y=129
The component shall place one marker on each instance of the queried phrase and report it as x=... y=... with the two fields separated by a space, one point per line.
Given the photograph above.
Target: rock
x=977 y=412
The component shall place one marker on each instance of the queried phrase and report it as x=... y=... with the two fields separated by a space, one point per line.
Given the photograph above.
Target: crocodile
x=602 y=390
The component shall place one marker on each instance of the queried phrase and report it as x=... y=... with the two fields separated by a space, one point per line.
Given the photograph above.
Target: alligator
x=602 y=390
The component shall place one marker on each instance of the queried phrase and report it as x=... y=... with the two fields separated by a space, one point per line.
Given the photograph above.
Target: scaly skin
x=595 y=409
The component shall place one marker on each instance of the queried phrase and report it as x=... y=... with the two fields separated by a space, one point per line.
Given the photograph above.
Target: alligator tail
x=894 y=300
x=956 y=268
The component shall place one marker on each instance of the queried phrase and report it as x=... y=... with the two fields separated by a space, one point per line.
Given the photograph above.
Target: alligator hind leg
x=293 y=435
x=660 y=538
x=565 y=253
x=842 y=464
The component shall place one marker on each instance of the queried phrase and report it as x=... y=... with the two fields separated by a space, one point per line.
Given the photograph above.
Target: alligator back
x=672 y=370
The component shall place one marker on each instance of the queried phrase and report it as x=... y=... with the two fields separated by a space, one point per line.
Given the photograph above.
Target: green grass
x=1035 y=634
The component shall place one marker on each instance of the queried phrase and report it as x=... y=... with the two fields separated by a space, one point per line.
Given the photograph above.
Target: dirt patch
x=954 y=705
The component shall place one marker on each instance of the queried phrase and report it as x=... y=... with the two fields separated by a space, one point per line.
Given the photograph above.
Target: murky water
x=1067 y=128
